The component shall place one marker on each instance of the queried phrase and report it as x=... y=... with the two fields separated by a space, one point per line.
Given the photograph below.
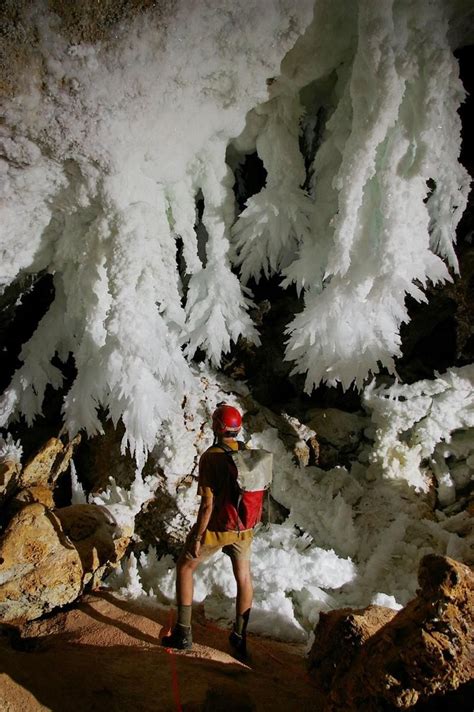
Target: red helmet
x=226 y=418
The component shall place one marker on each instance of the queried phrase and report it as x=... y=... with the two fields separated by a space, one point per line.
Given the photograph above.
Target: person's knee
x=185 y=563
x=242 y=574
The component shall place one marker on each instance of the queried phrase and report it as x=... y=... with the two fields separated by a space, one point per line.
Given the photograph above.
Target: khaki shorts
x=240 y=548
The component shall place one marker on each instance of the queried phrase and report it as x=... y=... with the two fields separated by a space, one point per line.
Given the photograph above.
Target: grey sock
x=184 y=616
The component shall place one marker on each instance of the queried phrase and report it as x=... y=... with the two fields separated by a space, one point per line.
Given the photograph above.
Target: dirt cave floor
x=105 y=654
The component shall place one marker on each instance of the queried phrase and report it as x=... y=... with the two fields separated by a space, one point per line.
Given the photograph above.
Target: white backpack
x=254 y=468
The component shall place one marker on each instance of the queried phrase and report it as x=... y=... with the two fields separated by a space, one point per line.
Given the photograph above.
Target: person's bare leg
x=185 y=569
x=243 y=604
x=181 y=635
x=243 y=578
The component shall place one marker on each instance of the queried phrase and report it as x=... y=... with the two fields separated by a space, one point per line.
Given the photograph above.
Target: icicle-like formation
x=105 y=149
x=276 y=220
x=123 y=504
x=78 y=496
x=108 y=146
x=375 y=232
x=216 y=309
x=10 y=450
x=404 y=130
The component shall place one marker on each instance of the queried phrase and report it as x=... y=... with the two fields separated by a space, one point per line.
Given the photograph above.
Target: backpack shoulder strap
x=228 y=449
x=224 y=448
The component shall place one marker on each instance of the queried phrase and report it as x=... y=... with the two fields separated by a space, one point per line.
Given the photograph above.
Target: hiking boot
x=238 y=643
x=181 y=638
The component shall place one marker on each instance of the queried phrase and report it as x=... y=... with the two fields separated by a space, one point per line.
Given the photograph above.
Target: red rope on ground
x=173 y=667
x=174 y=670
x=175 y=681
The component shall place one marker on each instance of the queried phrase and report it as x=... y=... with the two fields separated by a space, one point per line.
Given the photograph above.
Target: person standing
x=222 y=523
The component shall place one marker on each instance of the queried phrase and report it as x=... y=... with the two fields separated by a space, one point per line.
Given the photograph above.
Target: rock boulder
x=35 y=493
x=9 y=473
x=94 y=534
x=340 y=635
x=339 y=434
x=419 y=656
x=49 y=462
x=47 y=558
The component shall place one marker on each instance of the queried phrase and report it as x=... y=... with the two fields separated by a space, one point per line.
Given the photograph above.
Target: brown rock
x=297 y=437
x=52 y=460
x=338 y=433
x=338 y=427
x=91 y=529
x=37 y=470
x=424 y=653
x=47 y=558
x=36 y=493
x=102 y=455
x=9 y=471
x=87 y=21
x=339 y=636
x=160 y=524
x=39 y=568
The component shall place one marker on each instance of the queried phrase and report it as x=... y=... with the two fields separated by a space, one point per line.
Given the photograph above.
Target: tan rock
x=339 y=636
x=49 y=462
x=337 y=427
x=91 y=529
x=39 y=568
x=9 y=472
x=424 y=653
x=38 y=469
x=35 y=493
x=46 y=558
x=338 y=433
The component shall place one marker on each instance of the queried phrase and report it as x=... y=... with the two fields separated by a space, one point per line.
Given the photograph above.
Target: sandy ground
x=105 y=654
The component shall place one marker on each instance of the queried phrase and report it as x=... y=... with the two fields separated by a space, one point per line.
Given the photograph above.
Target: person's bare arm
x=204 y=515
